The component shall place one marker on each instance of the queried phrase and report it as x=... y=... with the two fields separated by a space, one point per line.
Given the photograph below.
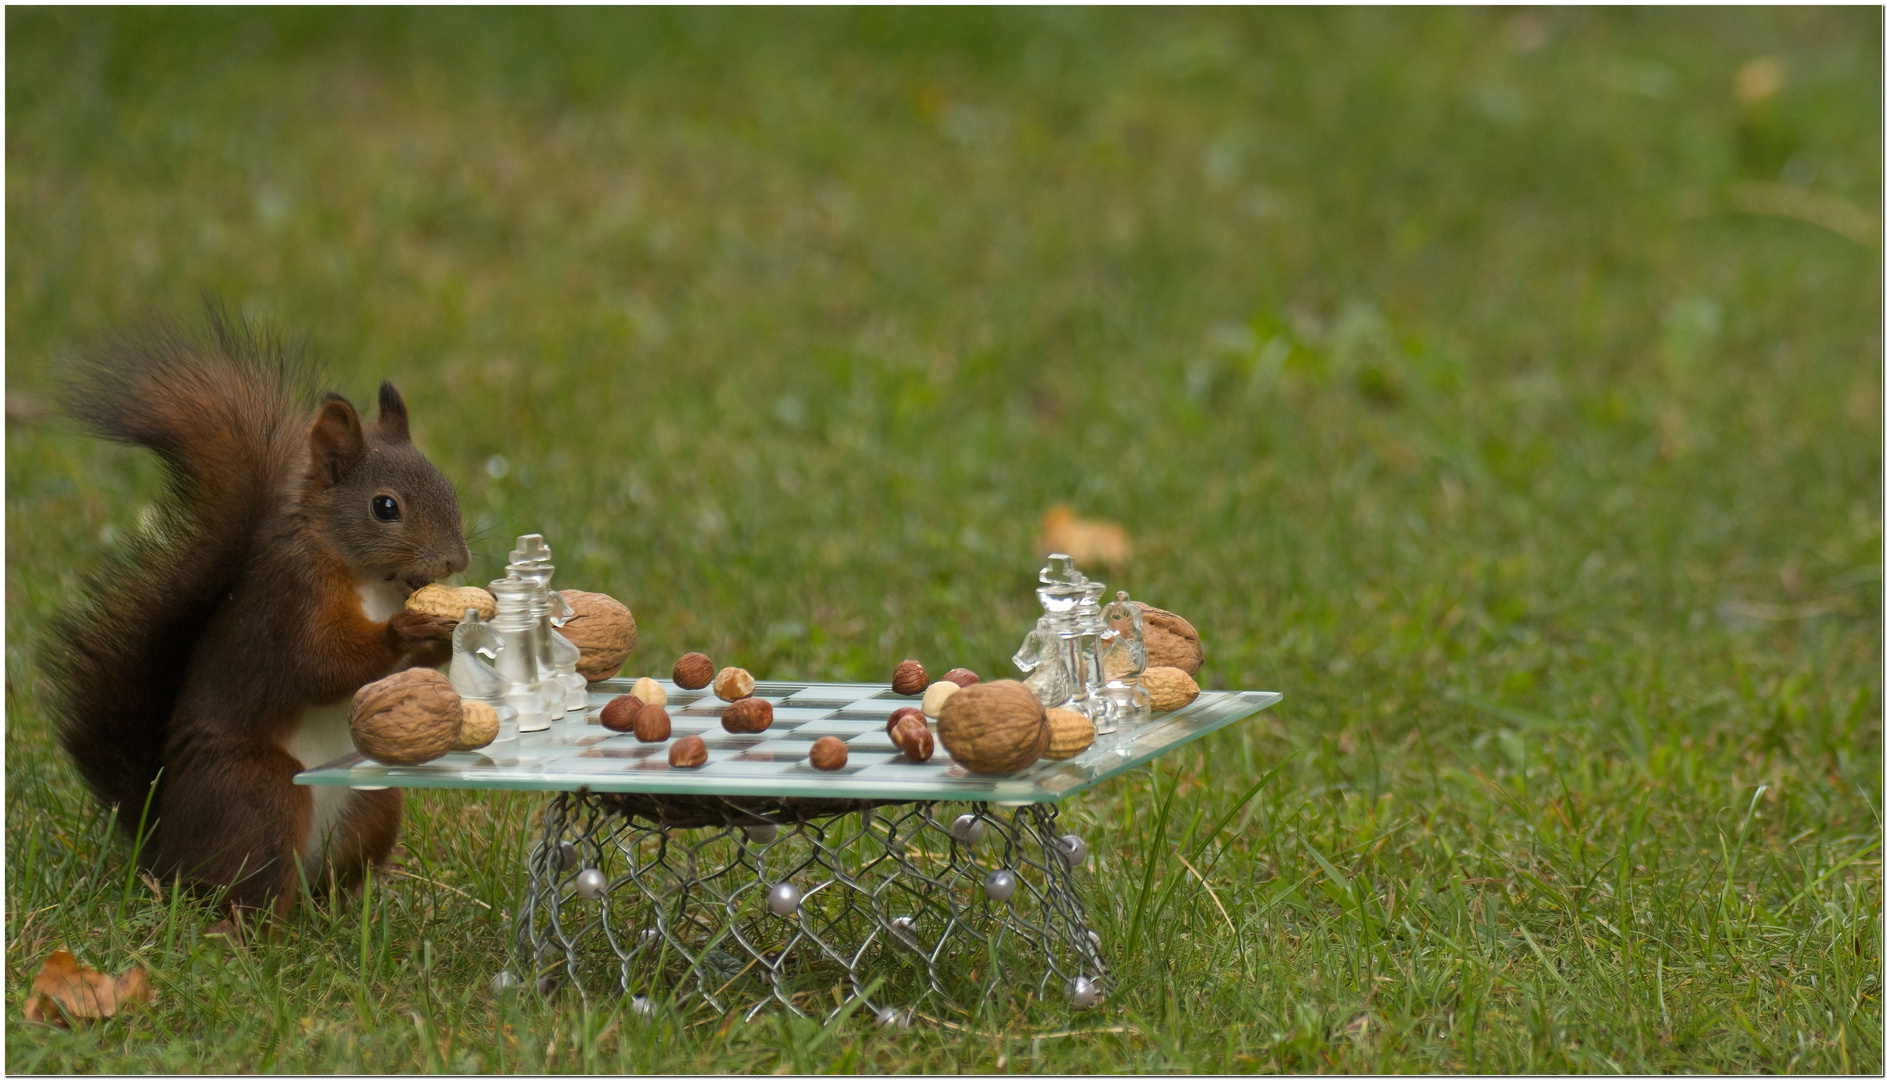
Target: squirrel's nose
x=458 y=560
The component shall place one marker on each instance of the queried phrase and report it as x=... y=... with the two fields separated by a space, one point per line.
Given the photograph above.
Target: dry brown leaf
x=66 y=990
x=1102 y=543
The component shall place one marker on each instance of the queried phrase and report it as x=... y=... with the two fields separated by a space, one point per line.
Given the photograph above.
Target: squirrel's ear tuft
x=392 y=418
x=336 y=442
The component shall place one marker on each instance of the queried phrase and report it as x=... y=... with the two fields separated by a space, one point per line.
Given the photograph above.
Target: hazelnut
x=909 y=679
x=748 y=715
x=1168 y=688
x=602 y=629
x=962 y=676
x=732 y=684
x=649 y=691
x=478 y=724
x=828 y=753
x=913 y=737
x=898 y=714
x=994 y=727
x=1069 y=733
x=407 y=718
x=938 y=693
x=620 y=713
x=652 y=724
x=688 y=752
x=449 y=603
x=693 y=671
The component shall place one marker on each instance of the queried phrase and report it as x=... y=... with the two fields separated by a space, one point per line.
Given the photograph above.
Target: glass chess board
x=581 y=753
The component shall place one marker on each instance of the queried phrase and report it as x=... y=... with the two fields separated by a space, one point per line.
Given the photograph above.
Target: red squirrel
x=217 y=657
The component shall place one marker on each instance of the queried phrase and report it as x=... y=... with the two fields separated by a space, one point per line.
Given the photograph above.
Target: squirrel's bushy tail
x=221 y=409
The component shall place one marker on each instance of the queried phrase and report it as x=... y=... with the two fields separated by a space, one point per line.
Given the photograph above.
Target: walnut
x=1171 y=640
x=603 y=629
x=478 y=725
x=1168 y=688
x=747 y=716
x=994 y=727
x=732 y=684
x=620 y=713
x=450 y=603
x=1069 y=733
x=909 y=679
x=828 y=754
x=693 y=671
x=407 y=718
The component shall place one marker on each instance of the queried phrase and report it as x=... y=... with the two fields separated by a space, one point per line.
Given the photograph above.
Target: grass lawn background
x=1502 y=387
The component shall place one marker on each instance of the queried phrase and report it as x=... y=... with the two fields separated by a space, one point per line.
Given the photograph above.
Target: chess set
x=1081 y=654
x=573 y=753
x=782 y=882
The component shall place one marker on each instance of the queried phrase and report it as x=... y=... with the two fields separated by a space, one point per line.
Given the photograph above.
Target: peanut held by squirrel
x=224 y=647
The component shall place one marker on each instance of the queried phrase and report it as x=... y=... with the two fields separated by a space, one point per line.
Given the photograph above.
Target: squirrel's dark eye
x=386 y=508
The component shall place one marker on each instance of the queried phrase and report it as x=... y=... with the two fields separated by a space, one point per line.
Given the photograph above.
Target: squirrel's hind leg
x=230 y=815
x=364 y=836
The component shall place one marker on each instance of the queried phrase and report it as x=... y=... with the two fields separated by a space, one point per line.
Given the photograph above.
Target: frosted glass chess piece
x=1041 y=658
x=474 y=678
x=515 y=624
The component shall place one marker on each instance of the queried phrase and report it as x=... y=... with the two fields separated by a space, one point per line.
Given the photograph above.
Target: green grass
x=1453 y=372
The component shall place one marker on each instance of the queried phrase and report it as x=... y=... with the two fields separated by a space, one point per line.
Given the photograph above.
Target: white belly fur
x=382 y=600
x=322 y=736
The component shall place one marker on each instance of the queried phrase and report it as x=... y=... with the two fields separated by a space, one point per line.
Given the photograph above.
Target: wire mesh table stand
x=757 y=880
x=818 y=905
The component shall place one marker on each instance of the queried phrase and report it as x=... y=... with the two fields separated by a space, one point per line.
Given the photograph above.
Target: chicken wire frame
x=895 y=913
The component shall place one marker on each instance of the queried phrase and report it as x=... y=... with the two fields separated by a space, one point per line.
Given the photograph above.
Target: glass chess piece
x=516 y=623
x=547 y=682
x=1060 y=593
x=473 y=677
x=530 y=560
x=1088 y=622
x=1041 y=658
x=1121 y=655
x=564 y=657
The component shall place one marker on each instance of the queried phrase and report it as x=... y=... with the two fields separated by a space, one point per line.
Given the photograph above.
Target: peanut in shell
x=1069 y=733
x=1168 y=688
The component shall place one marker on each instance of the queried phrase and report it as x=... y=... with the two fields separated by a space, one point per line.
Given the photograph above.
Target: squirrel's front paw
x=412 y=629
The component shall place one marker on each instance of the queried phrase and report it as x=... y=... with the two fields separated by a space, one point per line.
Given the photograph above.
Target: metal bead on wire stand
x=735 y=905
